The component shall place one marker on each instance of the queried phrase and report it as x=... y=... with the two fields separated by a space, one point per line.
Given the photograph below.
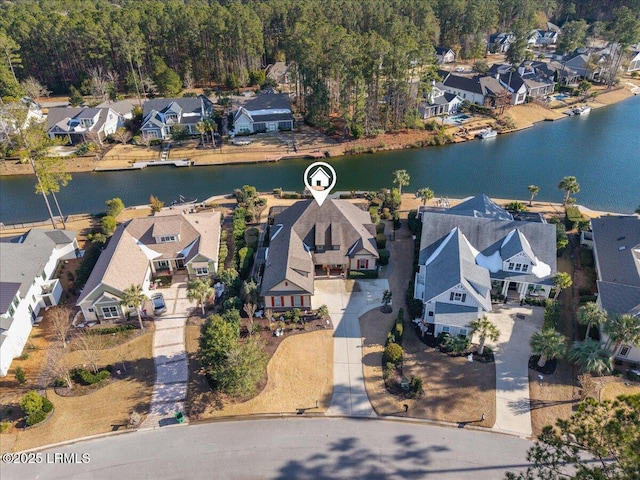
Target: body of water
x=601 y=149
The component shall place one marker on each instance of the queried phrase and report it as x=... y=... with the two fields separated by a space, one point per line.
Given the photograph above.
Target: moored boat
x=581 y=110
x=487 y=133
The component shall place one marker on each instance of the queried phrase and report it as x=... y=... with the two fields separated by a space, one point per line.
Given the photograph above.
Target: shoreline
x=314 y=144
x=83 y=221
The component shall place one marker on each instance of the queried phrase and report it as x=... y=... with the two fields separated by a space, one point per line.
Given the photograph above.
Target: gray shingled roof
x=517 y=243
x=617 y=244
x=450 y=314
x=336 y=223
x=266 y=101
x=480 y=206
x=8 y=291
x=188 y=105
x=452 y=262
x=22 y=262
x=487 y=235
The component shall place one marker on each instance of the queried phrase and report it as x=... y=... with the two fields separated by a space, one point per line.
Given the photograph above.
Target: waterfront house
x=265 y=112
x=168 y=243
x=616 y=251
x=510 y=79
x=81 y=124
x=595 y=64
x=476 y=250
x=479 y=89
x=160 y=115
x=445 y=55
x=438 y=102
x=28 y=283
x=306 y=241
x=124 y=108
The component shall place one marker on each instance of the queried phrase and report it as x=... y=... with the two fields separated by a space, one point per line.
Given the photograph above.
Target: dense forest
x=354 y=58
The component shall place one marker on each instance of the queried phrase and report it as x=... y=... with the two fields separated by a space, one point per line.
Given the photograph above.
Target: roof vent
x=622 y=247
x=620 y=238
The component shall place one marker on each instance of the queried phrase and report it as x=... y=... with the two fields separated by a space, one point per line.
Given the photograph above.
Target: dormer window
x=518 y=267
x=168 y=238
x=458 y=297
x=86 y=122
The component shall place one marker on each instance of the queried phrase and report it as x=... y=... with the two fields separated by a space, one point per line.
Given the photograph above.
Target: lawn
x=299 y=374
x=97 y=412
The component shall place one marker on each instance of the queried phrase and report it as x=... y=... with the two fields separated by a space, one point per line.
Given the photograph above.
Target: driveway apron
x=172 y=372
x=345 y=306
x=513 y=407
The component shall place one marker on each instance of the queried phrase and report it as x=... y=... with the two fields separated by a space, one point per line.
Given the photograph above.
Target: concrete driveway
x=347 y=300
x=170 y=357
x=512 y=352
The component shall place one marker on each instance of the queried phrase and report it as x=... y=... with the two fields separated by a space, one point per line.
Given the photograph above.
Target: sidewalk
x=172 y=372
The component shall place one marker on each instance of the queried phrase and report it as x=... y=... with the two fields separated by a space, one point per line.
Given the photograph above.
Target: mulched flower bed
x=79 y=389
x=548 y=369
x=432 y=342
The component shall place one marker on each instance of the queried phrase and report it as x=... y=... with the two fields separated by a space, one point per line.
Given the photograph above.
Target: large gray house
x=472 y=251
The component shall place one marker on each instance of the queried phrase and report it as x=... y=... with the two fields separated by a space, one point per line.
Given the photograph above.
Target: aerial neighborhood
x=229 y=272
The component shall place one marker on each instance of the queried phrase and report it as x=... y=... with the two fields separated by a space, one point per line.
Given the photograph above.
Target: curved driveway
x=290 y=448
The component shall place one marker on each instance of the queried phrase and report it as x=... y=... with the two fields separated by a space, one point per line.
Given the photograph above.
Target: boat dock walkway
x=148 y=163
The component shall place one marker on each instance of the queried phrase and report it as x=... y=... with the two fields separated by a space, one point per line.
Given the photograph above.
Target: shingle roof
x=486 y=235
x=480 y=206
x=515 y=244
x=21 y=261
x=617 y=245
x=335 y=223
x=451 y=262
x=266 y=101
x=126 y=258
x=8 y=291
x=188 y=105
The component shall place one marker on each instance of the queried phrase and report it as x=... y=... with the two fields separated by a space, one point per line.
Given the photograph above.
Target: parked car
x=159 y=307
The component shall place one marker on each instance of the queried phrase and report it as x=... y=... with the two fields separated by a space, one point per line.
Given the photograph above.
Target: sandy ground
x=271 y=147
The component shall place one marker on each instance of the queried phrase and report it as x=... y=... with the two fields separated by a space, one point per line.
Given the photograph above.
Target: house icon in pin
x=319 y=179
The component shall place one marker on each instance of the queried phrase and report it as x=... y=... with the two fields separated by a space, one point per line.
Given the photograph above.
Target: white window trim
x=201 y=271
x=107 y=312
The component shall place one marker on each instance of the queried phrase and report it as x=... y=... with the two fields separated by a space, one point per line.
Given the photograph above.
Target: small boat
x=581 y=110
x=183 y=201
x=487 y=133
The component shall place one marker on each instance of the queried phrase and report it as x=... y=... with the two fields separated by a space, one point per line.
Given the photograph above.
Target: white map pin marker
x=320 y=178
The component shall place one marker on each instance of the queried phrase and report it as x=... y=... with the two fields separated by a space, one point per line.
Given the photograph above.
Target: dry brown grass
x=300 y=373
x=454 y=389
x=99 y=412
x=618 y=387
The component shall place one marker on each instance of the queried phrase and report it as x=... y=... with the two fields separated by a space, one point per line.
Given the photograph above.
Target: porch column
x=522 y=290
x=505 y=287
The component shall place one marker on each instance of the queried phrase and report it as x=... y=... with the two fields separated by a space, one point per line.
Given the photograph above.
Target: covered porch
x=515 y=290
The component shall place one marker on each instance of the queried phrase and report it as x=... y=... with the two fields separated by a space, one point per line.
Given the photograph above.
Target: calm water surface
x=601 y=149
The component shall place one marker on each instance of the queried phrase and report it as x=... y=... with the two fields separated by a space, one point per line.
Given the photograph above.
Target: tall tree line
x=365 y=61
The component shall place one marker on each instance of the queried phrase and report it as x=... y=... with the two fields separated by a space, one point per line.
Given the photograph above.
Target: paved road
x=345 y=307
x=292 y=448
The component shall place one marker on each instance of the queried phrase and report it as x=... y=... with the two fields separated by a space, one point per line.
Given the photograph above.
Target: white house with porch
x=265 y=112
x=473 y=252
x=166 y=244
x=28 y=284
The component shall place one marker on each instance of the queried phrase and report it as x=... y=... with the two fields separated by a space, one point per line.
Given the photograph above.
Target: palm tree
x=401 y=178
x=591 y=315
x=134 y=297
x=456 y=344
x=622 y=329
x=561 y=280
x=533 y=191
x=212 y=127
x=322 y=311
x=549 y=344
x=201 y=128
x=424 y=194
x=199 y=290
x=570 y=186
x=591 y=357
x=485 y=328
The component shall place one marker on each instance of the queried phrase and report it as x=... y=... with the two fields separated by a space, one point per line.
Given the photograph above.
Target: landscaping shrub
x=47 y=406
x=251 y=237
x=356 y=274
x=414 y=222
x=4 y=426
x=384 y=256
x=386 y=213
x=573 y=216
x=379 y=228
x=415 y=387
x=35 y=417
x=110 y=330
x=89 y=378
x=392 y=354
x=245 y=260
x=88 y=262
x=398 y=328
x=21 y=377
x=381 y=241
x=31 y=402
x=108 y=225
x=551 y=314
x=115 y=206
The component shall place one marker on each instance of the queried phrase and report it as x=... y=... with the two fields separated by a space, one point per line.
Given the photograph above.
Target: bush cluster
x=356 y=274
x=384 y=256
x=88 y=377
x=392 y=354
x=36 y=407
x=110 y=330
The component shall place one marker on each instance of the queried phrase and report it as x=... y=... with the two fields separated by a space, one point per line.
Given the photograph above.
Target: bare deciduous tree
x=60 y=318
x=89 y=346
x=34 y=88
x=250 y=310
x=98 y=84
x=188 y=81
x=58 y=367
x=122 y=135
